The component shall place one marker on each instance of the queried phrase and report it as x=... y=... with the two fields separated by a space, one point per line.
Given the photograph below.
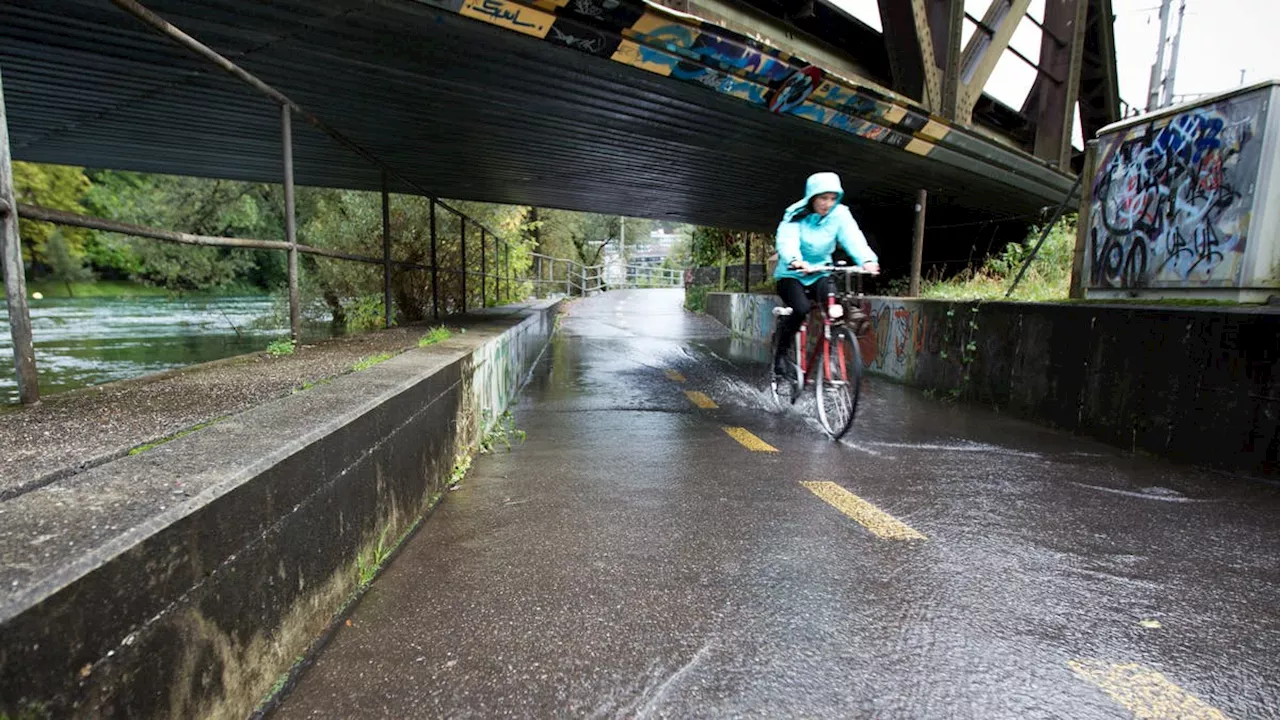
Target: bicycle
x=838 y=385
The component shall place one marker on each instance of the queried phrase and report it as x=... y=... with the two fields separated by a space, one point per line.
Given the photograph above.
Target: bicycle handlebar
x=847 y=269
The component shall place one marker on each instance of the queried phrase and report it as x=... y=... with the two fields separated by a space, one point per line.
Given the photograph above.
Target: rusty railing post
x=15 y=281
x=917 y=244
x=462 y=219
x=290 y=224
x=435 y=274
x=386 y=251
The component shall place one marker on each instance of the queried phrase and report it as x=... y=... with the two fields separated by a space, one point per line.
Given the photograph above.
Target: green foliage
x=364 y=313
x=1047 y=278
x=366 y=570
x=65 y=265
x=365 y=363
x=435 y=335
x=59 y=187
x=503 y=431
x=282 y=347
x=195 y=205
x=460 y=469
x=695 y=298
x=97 y=289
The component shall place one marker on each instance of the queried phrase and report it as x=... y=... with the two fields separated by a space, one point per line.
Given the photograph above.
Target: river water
x=83 y=342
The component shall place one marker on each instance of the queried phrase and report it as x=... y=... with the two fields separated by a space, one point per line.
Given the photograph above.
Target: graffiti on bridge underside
x=1172 y=203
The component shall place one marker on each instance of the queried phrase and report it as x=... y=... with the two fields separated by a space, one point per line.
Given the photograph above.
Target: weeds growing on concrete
x=367 y=570
x=367 y=362
x=435 y=335
x=460 y=469
x=504 y=431
x=170 y=438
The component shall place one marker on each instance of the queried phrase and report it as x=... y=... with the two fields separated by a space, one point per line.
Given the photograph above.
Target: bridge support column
x=15 y=281
x=917 y=244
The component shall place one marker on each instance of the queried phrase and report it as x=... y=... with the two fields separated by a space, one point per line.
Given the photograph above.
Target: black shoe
x=782 y=367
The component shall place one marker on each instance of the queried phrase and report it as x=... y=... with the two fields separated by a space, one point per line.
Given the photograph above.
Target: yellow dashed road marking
x=672 y=374
x=1148 y=694
x=869 y=516
x=749 y=441
x=701 y=400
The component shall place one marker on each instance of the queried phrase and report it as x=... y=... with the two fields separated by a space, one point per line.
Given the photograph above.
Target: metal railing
x=495 y=257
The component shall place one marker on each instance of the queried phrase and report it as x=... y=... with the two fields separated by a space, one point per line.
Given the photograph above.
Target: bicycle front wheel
x=838 y=382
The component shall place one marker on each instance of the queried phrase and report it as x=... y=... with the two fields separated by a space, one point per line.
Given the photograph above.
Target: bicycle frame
x=807 y=362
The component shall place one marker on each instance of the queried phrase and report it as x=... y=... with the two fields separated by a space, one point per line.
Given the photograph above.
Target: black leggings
x=800 y=298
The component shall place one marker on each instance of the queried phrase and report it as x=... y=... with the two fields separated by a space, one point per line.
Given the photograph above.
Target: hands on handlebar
x=870 y=268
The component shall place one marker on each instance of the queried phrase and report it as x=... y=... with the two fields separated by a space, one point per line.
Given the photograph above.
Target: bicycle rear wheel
x=838 y=383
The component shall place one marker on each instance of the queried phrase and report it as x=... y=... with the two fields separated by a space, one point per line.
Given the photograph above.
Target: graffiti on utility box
x=1173 y=198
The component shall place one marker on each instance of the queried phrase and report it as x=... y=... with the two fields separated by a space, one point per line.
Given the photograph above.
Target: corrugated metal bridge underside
x=600 y=105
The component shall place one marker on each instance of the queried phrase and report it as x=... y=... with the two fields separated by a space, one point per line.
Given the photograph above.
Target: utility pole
x=1173 y=59
x=1157 y=69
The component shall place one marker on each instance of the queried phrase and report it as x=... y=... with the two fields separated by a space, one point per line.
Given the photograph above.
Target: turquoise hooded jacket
x=813 y=238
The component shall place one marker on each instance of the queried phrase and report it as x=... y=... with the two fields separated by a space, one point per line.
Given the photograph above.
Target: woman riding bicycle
x=807 y=237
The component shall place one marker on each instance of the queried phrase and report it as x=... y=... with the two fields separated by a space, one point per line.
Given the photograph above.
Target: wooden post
x=15 y=281
x=386 y=252
x=917 y=244
x=484 y=269
x=291 y=225
x=1084 y=219
x=746 y=262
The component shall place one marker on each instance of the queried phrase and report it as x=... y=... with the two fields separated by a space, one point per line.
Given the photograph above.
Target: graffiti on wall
x=1172 y=199
x=905 y=333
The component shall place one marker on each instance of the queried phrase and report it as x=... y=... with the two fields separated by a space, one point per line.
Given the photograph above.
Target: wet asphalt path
x=634 y=559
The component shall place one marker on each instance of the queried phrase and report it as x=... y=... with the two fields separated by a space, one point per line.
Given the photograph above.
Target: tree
x=196 y=205
x=65 y=264
x=60 y=187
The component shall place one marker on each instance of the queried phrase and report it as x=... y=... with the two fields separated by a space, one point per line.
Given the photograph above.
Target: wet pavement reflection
x=634 y=559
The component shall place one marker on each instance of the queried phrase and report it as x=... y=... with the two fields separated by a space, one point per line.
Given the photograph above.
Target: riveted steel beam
x=984 y=50
x=1052 y=100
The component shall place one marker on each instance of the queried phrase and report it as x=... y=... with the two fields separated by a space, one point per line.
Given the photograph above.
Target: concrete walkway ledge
x=184 y=580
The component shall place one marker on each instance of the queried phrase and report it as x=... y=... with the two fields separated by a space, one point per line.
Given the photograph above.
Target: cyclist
x=807 y=236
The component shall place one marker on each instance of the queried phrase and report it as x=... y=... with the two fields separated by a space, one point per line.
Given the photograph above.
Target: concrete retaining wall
x=181 y=582
x=1195 y=384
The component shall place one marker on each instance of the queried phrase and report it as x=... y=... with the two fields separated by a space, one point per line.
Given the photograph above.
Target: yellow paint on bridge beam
x=1147 y=693
x=879 y=522
x=701 y=400
x=749 y=441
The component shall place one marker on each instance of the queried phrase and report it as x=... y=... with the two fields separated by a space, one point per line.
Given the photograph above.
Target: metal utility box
x=1185 y=202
